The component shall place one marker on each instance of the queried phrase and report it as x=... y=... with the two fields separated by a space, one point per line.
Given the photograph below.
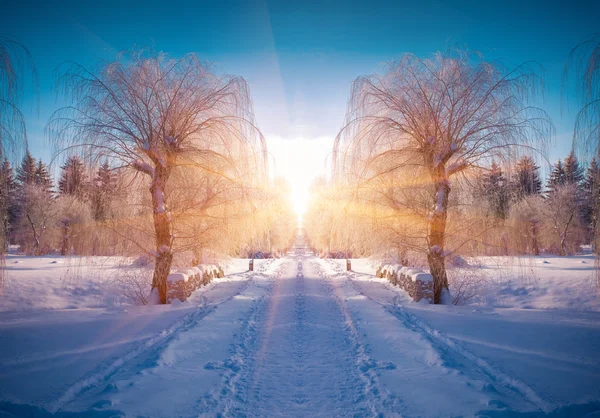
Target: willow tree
x=15 y=65
x=583 y=70
x=583 y=73
x=161 y=116
x=428 y=121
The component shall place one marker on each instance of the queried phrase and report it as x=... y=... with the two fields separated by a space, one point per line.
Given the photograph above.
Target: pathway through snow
x=300 y=338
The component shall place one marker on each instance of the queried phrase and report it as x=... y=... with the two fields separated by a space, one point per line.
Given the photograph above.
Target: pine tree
x=495 y=190
x=26 y=172
x=7 y=202
x=526 y=180
x=557 y=177
x=43 y=177
x=105 y=185
x=574 y=173
x=73 y=180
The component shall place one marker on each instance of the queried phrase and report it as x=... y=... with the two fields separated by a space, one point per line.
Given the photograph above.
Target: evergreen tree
x=495 y=190
x=43 y=177
x=574 y=173
x=104 y=188
x=7 y=202
x=557 y=177
x=26 y=173
x=73 y=180
x=526 y=180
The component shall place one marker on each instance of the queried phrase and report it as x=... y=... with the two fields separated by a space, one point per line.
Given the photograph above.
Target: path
x=300 y=338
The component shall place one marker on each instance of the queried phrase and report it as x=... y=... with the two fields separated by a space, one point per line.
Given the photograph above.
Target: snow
x=177 y=277
x=300 y=336
x=422 y=276
x=54 y=282
x=159 y=198
x=542 y=282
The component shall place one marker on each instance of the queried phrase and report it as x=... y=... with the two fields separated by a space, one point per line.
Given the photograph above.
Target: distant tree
x=494 y=188
x=73 y=180
x=43 y=178
x=158 y=115
x=557 y=177
x=574 y=173
x=434 y=119
x=72 y=217
x=37 y=212
x=526 y=180
x=26 y=172
x=103 y=191
x=525 y=218
x=562 y=214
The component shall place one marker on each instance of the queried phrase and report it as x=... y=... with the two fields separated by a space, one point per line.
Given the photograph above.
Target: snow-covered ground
x=300 y=337
x=54 y=282
x=543 y=282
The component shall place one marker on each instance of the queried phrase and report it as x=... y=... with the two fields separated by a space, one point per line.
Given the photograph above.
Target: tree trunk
x=162 y=229
x=65 y=241
x=436 y=235
x=534 y=241
x=563 y=246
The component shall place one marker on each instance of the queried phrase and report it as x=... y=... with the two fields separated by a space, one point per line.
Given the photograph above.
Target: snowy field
x=54 y=282
x=543 y=282
x=299 y=337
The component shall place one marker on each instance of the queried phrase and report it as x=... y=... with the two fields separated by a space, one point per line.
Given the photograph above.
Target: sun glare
x=299 y=161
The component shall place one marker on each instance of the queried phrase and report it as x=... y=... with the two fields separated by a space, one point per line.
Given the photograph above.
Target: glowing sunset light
x=299 y=161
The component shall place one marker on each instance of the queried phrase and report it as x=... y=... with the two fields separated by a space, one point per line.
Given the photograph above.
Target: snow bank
x=182 y=282
x=540 y=282
x=417 y=283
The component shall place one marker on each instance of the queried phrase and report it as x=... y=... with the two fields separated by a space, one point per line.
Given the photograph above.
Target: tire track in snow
x=377 y=398
x=442 y=342
x=155 y=343
x=235 y=368
x=298 y=355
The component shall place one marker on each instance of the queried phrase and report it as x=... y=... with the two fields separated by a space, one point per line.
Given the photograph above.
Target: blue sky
x=299 y=57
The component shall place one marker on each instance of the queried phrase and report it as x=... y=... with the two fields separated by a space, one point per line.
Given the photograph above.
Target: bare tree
x=15 y=64
x=584 y=61
x=562 y=215
x=158 y=115
x=38 y=213
x=431 y=120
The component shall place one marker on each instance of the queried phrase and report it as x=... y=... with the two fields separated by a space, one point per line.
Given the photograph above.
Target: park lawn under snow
x=301 y=337
x=55 y=282
x=542 y=282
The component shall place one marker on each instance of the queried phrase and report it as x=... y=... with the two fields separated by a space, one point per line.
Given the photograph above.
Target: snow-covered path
x=303 y=359
x=301 y=337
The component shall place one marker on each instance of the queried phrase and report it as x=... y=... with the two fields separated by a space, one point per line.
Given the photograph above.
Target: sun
x=299 y=161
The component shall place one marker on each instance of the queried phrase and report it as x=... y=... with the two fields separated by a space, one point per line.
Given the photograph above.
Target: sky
x=299 y=58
